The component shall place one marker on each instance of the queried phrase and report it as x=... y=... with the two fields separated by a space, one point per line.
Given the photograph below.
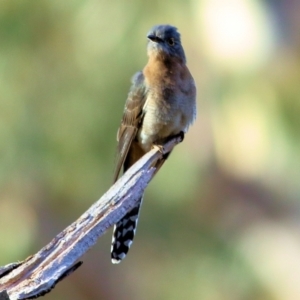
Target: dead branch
x=39 y=273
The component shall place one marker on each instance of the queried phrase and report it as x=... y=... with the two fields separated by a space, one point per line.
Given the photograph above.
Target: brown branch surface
x=39 y=273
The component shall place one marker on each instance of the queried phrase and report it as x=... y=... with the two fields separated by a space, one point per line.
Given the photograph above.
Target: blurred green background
x=221 y=219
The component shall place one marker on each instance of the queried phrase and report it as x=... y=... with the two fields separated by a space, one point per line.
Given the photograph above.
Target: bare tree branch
x=39 y=273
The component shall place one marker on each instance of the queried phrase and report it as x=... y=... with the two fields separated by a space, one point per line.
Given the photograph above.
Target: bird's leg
x=160 y=148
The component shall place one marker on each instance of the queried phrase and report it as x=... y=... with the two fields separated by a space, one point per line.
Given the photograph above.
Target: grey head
x=165 y=40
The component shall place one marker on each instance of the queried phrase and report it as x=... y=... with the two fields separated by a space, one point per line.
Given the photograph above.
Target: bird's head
x=164 y=40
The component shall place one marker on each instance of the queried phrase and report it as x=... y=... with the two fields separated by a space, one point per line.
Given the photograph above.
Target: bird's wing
x=132 y=118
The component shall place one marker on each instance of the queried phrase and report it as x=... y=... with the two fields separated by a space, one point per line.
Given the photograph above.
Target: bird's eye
x=171 y=42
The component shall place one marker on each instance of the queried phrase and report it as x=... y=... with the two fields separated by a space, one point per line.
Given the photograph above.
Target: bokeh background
x=221 y=219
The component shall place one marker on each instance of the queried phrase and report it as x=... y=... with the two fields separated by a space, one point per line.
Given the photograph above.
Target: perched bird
x=161 y=103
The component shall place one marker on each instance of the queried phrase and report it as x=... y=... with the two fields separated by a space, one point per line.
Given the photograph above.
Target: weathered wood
x=39 y=273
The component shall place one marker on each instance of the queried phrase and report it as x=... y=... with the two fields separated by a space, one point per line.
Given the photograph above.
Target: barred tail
x=124 y=232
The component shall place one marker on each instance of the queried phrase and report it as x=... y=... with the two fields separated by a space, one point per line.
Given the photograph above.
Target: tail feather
x=124 y=232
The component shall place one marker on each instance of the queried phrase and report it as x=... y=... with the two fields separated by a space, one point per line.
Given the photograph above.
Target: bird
x=161 y=103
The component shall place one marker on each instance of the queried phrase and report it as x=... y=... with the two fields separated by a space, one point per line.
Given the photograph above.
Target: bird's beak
x=153 y=38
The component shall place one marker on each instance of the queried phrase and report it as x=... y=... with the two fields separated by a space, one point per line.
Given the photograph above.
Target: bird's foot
x=160 y=148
